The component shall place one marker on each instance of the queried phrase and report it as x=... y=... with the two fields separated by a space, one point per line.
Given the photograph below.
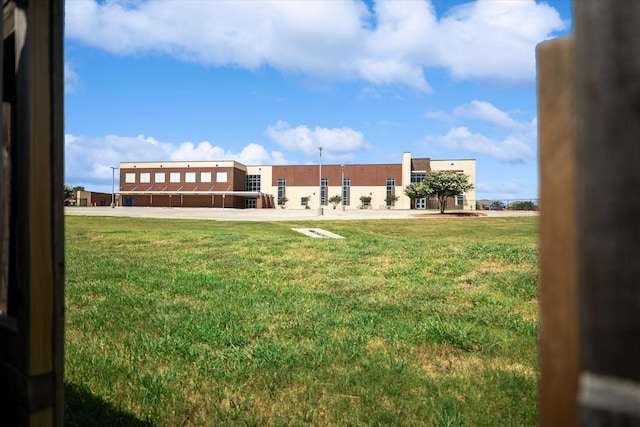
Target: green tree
x=366 y=200
x=305 y=202
x=70 y=191
x=335 y=200
x=440 y=184
x=415 y=190
x=391 y=199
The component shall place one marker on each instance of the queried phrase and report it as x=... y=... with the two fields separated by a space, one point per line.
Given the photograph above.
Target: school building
x=230 y=184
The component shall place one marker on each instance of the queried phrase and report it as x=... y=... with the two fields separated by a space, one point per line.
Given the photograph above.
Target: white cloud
x=517 y=146
x=88 y=160
x=488 y=112
x=252 y=154
x=394 y=44
x=496 y=38
x=439 y=115
x=71 y=79
x=506 y=189
x=339 y=144
x=511 y=149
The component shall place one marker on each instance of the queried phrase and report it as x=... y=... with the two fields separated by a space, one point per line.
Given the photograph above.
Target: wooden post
x=558 y=275
x=32 y=322
x=608 y=159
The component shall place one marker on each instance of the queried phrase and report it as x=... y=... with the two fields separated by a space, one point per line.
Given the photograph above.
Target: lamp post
x=342 y=199
x=320 y=193
x=113 y=182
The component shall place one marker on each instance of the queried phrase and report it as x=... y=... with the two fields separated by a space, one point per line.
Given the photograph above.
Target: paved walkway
x=267 y=214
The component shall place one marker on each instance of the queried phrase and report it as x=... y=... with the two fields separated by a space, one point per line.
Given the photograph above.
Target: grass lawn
x=403 y=322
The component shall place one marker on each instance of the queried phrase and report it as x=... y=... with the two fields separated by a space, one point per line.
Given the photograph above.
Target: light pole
x=320 y=193
x=342 y=199
x=113 y=182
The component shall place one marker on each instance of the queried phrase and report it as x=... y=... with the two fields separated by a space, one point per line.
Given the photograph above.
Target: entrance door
x=421 y=203
x=250 y=203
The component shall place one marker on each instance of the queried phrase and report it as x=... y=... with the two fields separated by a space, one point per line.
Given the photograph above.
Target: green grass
x=404 y=322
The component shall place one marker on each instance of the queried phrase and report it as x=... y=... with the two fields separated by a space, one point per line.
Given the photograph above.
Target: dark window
x=252 y=183
x=391 y=188
x=324 y=182
x=417 y=177
x=282 y=184
x=346 y=183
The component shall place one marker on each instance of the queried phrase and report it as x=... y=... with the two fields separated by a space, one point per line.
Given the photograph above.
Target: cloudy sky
x=268 y=81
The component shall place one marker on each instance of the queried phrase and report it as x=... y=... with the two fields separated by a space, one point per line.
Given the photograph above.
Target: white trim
x=609 y=393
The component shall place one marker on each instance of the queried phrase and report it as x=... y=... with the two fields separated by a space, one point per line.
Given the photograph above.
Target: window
x=130 y=177
x=174 y=177
x=145 y=177
x=205 y=176
x=159 y=177
x=282 y=184
x=460 y=200
x=304 y=201
x=391 y=185
x=252 y=183
x=221 y=177
x=417 y=177
x=346 y=184
x=324 y=182
x=189 y=177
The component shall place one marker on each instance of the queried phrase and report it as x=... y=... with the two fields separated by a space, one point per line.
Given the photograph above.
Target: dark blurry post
x=608 y=170
x=31 y=222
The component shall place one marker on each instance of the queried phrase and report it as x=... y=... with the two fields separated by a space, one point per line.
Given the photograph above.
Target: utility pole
x=113 y=182
x=320 y=193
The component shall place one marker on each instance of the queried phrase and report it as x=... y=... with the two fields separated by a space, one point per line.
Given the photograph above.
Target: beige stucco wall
x=377 y=193
x=266 y=176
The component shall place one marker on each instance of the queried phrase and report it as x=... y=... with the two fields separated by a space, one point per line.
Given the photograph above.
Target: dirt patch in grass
x=442 y=361
x=376 y=345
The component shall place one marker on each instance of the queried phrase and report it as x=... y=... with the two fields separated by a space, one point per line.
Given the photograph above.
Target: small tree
x=365 y=200
x=70 y=192
x=335 y=200
x=283 y=201
x=305 y=202
x=391 y=199
x=440 y=184
x=415 y=190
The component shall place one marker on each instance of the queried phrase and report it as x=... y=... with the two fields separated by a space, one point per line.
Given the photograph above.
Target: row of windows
x=346 y=183
x=174 y=177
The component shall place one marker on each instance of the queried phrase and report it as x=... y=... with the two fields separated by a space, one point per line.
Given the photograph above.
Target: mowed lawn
x=402 y=322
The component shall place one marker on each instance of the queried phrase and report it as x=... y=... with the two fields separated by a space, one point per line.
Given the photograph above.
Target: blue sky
x=267 y=82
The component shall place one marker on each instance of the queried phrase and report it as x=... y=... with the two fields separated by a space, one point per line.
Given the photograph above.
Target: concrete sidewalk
x=229 y=214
